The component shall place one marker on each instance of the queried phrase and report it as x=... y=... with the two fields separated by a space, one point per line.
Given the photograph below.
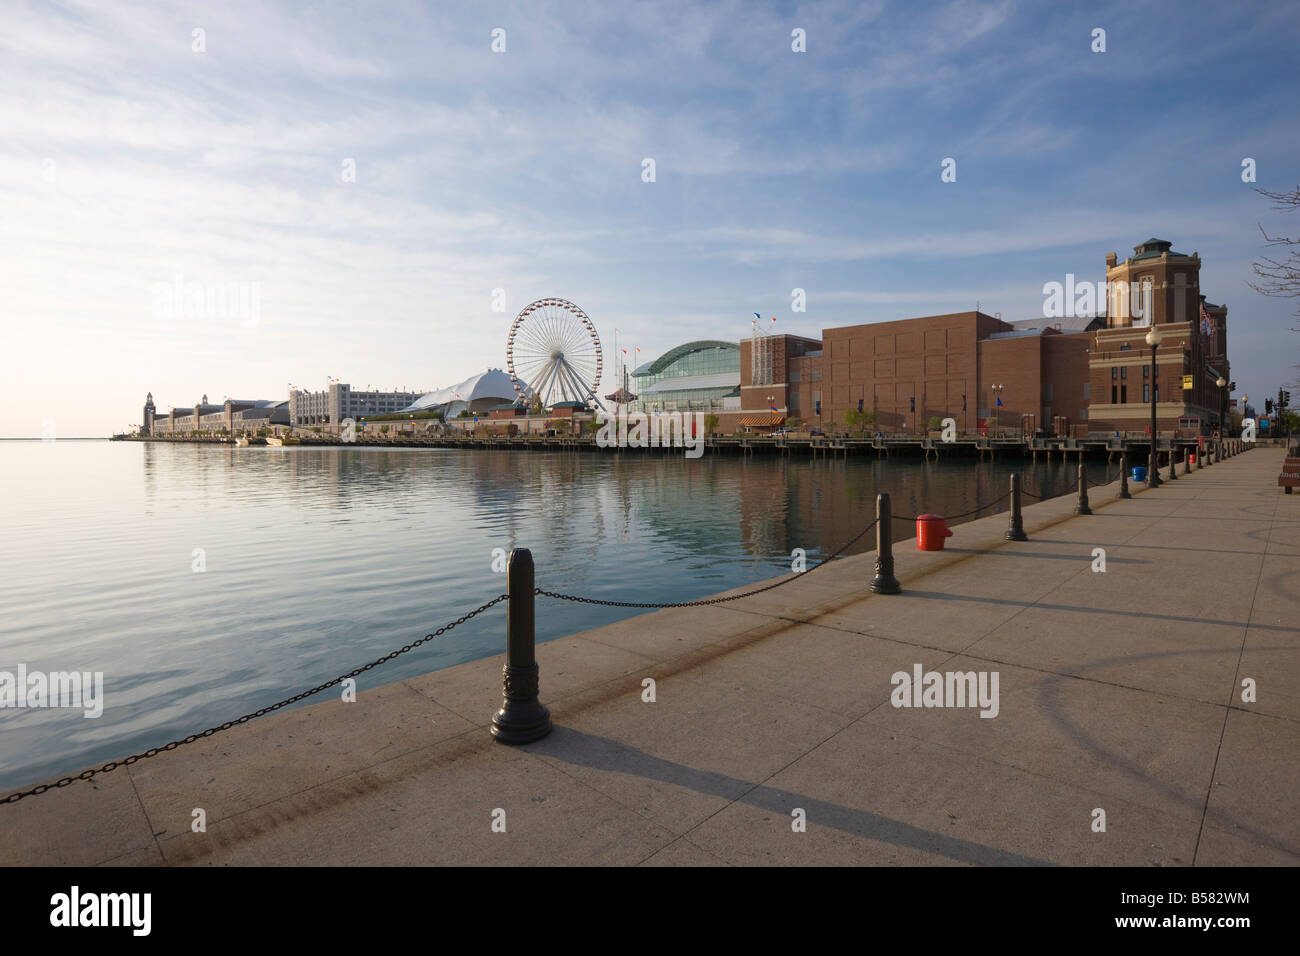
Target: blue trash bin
x=1139 y=474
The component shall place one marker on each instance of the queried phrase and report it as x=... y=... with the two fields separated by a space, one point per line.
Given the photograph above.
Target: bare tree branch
x=1279 y=278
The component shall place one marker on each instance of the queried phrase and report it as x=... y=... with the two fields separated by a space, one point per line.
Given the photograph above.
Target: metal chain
x=964 y=514
x=717 y=600
x=154 y=751
x=1109 y=479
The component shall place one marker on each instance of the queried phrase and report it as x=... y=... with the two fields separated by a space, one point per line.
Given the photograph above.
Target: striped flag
x=1207 y=326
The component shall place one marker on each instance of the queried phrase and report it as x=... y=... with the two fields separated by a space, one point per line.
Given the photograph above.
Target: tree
x=1280 y=278
x=710 y=422
x=859 y=421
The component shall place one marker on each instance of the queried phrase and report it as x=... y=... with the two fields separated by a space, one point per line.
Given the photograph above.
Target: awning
x=763 y=418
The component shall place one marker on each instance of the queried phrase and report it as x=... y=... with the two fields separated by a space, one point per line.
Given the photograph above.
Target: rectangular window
x=1145 y=371
x=796 y=376
x=1114 y=397
x=1083 y=414
x=1047 y=392
x=1114 y=372
x=816 y=375
x=1123 y=373
x=1146 y=393
x=1087 y=391
x=1123 y=394
x=1157 y=391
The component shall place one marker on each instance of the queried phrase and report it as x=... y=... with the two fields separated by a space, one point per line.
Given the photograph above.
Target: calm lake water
x=319 y=560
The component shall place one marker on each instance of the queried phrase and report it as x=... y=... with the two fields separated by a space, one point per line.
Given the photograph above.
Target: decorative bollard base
x=522 y=717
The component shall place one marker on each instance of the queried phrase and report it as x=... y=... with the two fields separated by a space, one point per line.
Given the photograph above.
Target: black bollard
x=522 y=718
x=1082 y=507
x=1200 y=457
x=1187 y=461
x=1016 y=530
x=884 y=581
x=1173 y=464
x=1123 y=477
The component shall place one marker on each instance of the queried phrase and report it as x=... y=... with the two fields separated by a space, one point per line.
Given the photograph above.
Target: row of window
x=1119 y=396
x=1122 y=372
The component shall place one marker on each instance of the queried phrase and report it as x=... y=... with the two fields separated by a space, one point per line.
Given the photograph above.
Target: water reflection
x=320 y=559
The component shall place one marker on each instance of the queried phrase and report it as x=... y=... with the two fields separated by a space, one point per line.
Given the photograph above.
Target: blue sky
x=129 y=159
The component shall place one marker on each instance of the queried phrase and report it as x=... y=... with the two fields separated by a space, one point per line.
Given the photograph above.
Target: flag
x=774 y=318
x=757 y=316
x=1207 y=326
x=1000 y=405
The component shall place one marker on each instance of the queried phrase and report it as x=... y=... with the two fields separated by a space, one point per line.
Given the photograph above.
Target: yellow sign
x=1187 y=382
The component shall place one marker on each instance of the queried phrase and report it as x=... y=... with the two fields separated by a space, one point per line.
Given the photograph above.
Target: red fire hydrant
x=930 y=532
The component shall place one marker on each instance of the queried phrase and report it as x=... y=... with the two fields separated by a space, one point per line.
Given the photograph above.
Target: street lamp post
x=1153 y=477
x=1223 y=402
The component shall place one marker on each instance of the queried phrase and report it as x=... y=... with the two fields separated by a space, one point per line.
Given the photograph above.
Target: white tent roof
x=493 y=383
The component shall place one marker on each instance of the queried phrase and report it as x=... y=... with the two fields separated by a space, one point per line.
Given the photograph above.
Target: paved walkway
x=1118 y=691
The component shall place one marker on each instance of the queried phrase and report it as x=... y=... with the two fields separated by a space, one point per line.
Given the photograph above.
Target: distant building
x=696 y=376
x=232 y=417
x=340 y=401
x=147 y=419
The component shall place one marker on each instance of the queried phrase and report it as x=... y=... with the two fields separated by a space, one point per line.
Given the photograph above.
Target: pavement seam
x=145 y=811
x=1232 y=693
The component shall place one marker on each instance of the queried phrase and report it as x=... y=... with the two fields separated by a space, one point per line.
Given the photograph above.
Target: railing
x=522 y=718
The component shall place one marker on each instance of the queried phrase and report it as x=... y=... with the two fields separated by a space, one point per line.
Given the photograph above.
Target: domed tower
x=146 y=421
x=1157 y=289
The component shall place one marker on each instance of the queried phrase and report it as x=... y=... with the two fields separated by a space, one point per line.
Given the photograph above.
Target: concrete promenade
x=1118 y=690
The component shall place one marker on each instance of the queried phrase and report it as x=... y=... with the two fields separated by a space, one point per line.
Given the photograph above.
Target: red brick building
x=1074 y=376
x=1160 y=287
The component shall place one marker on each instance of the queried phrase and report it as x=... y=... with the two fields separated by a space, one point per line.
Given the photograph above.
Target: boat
x=274 y=440
x=241 y=441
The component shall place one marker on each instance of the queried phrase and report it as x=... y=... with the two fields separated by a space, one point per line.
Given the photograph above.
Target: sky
x=367 y=174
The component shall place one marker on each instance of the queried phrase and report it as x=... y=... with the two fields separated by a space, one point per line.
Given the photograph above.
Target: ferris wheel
x=553 y=352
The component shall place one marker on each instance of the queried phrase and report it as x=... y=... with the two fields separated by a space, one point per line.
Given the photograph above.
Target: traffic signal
x=913 y=403
x=1268 y=406
x=859 y=404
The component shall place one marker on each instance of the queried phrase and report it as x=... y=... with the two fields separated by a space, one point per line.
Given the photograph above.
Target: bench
x=1290 y=477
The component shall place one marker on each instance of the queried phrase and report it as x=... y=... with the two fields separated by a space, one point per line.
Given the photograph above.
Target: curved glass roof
x=672 y=355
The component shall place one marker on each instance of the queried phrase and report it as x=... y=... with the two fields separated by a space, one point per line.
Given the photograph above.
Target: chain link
x=154 y=751
x=704 y=602
x=964 y=514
